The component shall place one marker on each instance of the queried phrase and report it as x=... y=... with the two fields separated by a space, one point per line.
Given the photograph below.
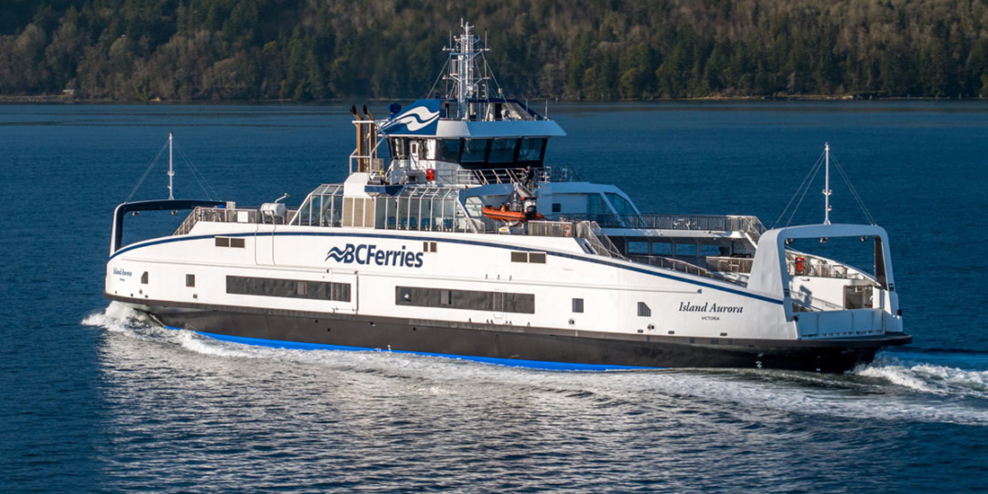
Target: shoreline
x=72 y=100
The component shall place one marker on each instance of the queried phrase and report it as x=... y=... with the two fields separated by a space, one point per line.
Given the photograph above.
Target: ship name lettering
x=710 y=308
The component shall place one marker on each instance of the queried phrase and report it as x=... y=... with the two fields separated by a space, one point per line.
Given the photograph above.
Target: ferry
x=467 y=243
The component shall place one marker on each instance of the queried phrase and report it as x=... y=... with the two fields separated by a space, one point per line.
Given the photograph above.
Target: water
x=96 y=398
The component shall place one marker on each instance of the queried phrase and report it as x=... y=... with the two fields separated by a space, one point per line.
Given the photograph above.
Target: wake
x=902 y=386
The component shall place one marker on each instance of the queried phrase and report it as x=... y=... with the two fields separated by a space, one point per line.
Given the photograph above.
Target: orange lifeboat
x=509 y=216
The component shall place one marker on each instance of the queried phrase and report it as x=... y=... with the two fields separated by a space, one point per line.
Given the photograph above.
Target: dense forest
x=136 y=50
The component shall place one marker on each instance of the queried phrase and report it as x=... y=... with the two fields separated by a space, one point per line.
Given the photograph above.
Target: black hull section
x=530 y=344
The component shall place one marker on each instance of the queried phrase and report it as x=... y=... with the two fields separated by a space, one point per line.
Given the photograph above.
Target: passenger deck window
x=273 y=287
x=518 y=303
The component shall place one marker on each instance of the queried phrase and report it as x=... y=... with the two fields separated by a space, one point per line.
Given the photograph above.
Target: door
x=499 y=303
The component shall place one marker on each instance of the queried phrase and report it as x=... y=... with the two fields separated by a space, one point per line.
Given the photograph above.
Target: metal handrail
x=224 y=215
x=751 y=226
x=819 y=267
x=678 y=265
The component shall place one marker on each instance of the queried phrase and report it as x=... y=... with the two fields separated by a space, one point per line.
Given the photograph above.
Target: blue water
x=96 y=398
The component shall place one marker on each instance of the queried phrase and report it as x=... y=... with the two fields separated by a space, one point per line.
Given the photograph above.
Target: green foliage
x=137 y=50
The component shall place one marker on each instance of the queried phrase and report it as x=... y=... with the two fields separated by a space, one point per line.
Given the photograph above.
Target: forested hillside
x=135 y=50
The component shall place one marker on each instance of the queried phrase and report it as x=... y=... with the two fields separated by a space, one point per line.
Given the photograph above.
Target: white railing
x=223 y=215
x=693 y=222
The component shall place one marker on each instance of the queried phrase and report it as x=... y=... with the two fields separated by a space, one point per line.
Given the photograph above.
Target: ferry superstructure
x=469 y=245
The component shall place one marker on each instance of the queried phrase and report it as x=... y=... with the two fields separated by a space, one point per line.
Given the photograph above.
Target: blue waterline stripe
x=528 y=364
x=463 y=242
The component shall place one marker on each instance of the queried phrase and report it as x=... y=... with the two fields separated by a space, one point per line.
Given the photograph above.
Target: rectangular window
x=557 y=207
x=519 y=257
x=531 y=149
x=502 y=151
x=537 y=257
x=519 y=303
x=686 y=250
x=190 y=280
x=578 y=305
x=398 y=148
x=271 y=287
x=449 y=150
x=144 y=278
x=638 y=247
x=475 y=150
x=661 y=249
x=230 y=242
x=432 y=246
x=643 y=310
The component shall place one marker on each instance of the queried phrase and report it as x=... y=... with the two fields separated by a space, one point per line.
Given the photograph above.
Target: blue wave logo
x=420 y=118
x=340 y=255
x=364 y=254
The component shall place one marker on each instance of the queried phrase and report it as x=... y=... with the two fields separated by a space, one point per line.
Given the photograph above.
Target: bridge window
x=621 y=205
x=531 y=149
x=399 y=148
x=449 y=150
x=502 y=150
x=475 y=150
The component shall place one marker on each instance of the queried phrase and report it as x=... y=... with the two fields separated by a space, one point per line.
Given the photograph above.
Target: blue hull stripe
x=464 y=242
x=528 y=364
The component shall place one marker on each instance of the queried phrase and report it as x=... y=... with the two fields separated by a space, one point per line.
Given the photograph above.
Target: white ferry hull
x=526 y=347
x=692 y=321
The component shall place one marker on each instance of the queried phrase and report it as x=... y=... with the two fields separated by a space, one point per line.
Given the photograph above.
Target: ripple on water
x=181 y=405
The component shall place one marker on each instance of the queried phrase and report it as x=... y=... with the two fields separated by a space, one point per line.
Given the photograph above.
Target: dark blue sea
x=94 y=398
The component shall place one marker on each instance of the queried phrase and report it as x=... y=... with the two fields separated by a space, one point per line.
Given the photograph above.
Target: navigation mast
x=171 y=171
x=826 y=185
x=461 y=70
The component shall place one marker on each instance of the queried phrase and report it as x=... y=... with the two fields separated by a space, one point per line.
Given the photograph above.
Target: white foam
x=851 y=396
x=930 y=378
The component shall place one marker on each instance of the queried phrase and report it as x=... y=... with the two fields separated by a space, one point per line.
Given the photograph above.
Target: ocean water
x=97 y=398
